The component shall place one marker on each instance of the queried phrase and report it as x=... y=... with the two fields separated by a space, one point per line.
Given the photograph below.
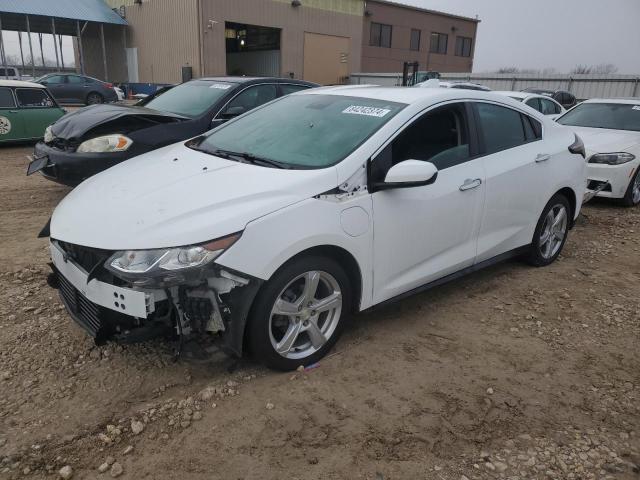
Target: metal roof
x=83 y=10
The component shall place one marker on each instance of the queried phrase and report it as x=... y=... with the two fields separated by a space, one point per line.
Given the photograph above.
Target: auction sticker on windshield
x=368 y=111
x=221 y=86
x=636 y=107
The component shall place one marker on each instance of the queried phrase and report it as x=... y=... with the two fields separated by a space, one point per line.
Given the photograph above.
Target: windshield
x=616 y=116
x=307 y=131
x=190 y=99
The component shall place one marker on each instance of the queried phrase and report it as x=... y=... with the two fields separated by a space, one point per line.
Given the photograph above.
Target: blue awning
x=65 y=12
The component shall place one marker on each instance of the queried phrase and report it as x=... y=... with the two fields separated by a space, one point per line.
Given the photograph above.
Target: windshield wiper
x=247 y=158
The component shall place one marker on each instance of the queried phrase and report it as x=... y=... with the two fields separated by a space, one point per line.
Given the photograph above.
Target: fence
x=582 y=86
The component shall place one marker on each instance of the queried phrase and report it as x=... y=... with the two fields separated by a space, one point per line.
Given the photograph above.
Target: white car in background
x=610 y=129
x=270 y=229
x=435 y=83
x=119 y=93
x=543 y=104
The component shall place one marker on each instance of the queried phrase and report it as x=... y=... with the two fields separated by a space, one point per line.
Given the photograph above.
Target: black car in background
x=92 y=139
x=71 y=88
x=564 y=98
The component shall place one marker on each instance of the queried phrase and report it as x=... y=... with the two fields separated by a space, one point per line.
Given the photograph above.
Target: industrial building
x=317 y=40
x=324 y=41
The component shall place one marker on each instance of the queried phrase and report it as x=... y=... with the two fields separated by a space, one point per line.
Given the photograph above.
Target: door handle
x=13 y=111
x=470 y=183
x=542 y=157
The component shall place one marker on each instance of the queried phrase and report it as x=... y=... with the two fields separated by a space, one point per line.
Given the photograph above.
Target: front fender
x=269 y=242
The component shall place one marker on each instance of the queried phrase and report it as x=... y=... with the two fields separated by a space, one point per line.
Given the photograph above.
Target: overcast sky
x=550 y=33
x=535 y=34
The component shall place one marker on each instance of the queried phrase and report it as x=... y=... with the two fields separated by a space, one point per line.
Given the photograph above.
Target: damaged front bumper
x=109 y=309
x=594 y=187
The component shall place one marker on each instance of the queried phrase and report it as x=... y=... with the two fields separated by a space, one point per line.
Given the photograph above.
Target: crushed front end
x=130 y=306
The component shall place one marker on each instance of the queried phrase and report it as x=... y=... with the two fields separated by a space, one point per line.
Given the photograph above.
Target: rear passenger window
x=502 y=127
x=288 y=88
x=6 y=98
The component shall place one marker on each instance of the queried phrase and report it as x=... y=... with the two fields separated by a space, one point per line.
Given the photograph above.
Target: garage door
x=326 y=58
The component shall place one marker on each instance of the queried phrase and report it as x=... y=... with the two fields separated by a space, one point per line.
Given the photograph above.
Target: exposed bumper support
x=590 y=193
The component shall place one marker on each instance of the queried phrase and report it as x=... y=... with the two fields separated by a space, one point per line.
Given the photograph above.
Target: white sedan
x=271 y=229
x=543 y=104
x=610 y=129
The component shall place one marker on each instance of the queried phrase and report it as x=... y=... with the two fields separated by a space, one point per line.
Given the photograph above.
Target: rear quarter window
x=502 y=128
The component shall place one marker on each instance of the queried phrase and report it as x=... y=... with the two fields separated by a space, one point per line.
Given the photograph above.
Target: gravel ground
x=510 y=373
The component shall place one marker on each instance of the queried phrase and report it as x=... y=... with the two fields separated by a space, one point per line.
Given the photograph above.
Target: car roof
x=621 y=101
x=406 y=95
x=254 y=79
x=19 y=83
x=516 y=94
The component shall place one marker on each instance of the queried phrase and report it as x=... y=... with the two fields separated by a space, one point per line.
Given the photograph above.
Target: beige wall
x=294 y=22
x=165 y=33
x=381 y=59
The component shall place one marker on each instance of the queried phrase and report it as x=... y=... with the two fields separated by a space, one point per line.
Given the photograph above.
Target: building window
x=463 y=46
x=380 y=35
x=439 y=43
x=415 y=39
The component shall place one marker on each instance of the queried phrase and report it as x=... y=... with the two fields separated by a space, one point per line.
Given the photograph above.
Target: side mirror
x=234 y=111
x=409 y=173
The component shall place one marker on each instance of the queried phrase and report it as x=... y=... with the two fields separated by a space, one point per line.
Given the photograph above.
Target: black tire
x=260 y=331
x=629 y=199
x=94 y=98
x=537 y=255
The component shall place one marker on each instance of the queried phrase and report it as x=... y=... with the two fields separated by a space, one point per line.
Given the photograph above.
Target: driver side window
x=251 y=98
x=440 y=136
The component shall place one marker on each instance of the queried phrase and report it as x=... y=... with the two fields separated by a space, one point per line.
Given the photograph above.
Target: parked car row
x=249 y=210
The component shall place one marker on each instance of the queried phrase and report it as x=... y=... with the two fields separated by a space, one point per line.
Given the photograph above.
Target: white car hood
x=154 y=201
x=602 y=140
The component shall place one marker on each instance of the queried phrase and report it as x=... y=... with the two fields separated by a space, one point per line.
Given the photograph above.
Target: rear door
x=77 y=88
x=11 y=123
x=517 y=167
x=37 y=109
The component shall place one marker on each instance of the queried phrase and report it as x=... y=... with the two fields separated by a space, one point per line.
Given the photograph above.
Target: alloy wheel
x=305 y=314
x=554 y=231
x=635 y=192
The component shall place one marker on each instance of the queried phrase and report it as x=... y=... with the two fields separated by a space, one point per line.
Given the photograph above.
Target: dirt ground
x=513 y=373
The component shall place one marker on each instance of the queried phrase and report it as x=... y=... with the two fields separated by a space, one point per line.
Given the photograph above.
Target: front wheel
x=551 y=232
x=632 y=196
x=299 y=314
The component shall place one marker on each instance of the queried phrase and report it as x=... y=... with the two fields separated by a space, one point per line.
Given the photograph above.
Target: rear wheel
x=551 y=232
x=632 y=197
x=94 y=98
x=300 y=313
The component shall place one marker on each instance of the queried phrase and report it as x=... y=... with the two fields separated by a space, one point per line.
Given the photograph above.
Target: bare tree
x=601 y=69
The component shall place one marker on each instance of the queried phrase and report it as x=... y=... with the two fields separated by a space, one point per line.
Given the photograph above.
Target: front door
x=11 y=123
x=57 y=85
x=425 y=233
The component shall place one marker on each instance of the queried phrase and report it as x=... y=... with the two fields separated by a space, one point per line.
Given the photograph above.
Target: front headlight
x=612 y=158
x=108 y=143
x=167 y=266
x=48 y=135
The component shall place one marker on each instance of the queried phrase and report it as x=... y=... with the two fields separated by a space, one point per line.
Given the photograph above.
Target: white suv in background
x=271 y=229
x=543 y=104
